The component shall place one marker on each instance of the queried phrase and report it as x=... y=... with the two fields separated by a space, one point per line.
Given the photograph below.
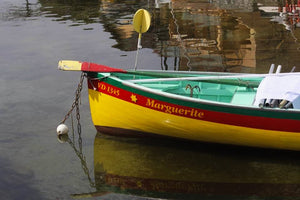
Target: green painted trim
x=239 y=110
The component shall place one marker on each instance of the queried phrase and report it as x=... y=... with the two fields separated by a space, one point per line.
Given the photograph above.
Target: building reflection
x=195 y=36
x=234 y=36
x=207 y=38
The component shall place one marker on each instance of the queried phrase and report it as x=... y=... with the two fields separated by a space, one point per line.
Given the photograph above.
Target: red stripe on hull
x=266 y=123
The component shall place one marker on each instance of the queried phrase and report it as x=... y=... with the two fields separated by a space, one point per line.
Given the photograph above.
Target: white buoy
x=62 y=133
x=62 y=129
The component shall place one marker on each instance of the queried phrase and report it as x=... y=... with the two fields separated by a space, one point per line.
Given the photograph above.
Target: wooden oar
x=72 y=65
x=141 y=24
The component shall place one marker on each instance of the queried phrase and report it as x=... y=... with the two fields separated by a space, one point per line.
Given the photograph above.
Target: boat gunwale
x=184 y=72
x=196 y=100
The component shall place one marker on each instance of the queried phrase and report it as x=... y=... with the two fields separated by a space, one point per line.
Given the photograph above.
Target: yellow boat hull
x=114 y=115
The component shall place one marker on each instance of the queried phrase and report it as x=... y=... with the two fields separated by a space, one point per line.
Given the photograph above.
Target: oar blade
x=141 y=21
x=72 y=65
x=69 y=65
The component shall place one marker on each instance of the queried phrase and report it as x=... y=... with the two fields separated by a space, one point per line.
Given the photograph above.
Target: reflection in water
x=173 y=169
x=207 y=38
x=201 y=35
x=235 y=36
x=78 y=12
x=23 y=11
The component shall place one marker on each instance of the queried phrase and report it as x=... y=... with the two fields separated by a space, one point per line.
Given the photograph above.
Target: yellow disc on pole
x=141 y=21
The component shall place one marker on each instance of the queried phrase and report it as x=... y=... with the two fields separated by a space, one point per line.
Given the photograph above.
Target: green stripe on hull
x=205 y=105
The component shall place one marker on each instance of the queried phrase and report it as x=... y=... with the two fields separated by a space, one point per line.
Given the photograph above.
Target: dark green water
x=185 y=35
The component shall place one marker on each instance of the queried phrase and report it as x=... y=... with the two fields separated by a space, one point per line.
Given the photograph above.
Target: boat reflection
x=183 y=170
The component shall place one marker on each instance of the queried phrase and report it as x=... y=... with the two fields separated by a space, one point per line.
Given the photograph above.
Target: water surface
x=230 y=36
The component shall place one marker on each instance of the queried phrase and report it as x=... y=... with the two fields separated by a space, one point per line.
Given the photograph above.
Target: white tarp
x=279 y=87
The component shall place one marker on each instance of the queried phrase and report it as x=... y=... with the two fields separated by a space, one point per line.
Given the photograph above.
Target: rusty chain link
x=79 y=152
x=75 y=106
x=82 y=158
x=76 y=101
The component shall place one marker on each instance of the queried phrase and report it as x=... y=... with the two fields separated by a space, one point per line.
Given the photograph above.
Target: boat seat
x=214 y=94
x=160 y=87
x=243 y=97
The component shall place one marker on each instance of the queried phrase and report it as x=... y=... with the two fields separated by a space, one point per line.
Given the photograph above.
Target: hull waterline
x=117 y=107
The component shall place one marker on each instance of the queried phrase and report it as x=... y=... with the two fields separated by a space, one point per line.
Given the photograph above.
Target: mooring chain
x=76 y=101
x=83 y=162
x=62 y=129
x=75 y=106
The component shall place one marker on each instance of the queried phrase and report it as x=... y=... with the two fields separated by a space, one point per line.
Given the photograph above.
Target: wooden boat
x=258 y=110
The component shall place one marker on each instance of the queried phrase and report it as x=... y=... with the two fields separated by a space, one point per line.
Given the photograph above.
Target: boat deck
x=238 y=92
